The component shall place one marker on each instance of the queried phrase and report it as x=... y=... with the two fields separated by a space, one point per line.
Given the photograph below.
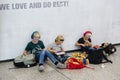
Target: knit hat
x=87 y=32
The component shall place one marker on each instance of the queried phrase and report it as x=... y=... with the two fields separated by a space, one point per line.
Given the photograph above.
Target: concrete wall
x=18 y=19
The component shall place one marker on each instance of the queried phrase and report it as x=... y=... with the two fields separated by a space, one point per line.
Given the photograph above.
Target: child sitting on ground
x=57 y=50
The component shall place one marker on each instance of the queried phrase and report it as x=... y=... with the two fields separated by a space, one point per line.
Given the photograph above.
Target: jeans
x=91 y=50
x=41 y=56
x=61 y=58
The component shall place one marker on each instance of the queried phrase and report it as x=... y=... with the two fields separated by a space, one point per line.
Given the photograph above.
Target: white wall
x=102 y=17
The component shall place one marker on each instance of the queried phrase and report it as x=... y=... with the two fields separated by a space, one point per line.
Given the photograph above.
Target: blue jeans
x=42 y=55
x=91 y=49
x=61 y=58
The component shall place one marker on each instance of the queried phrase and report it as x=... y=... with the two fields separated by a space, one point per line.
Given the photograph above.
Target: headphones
x=33 y=34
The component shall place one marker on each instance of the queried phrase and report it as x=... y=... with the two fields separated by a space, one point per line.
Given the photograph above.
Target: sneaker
x=60 y=66
x=41 y=68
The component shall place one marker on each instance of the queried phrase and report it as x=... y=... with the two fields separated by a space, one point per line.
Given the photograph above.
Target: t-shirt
x=56 y=47
x=34 y=47
x=81 y=40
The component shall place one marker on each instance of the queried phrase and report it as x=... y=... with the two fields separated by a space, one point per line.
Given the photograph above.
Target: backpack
x=97 y=56
x=108 y=48
x=25 y=61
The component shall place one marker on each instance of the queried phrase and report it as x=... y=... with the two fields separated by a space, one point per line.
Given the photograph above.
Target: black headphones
x=32 y=36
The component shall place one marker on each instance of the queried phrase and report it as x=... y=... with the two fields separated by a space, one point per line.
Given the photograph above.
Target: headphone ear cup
x=32 y=35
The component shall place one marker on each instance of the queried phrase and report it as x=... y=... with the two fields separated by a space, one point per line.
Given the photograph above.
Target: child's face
x=36 y=38
x=59 y=42
x=87 y=36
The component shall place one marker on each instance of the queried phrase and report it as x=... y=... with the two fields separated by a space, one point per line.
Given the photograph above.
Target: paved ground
x=109 y=72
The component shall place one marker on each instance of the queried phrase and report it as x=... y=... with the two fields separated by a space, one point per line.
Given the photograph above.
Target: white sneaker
x=41 y=68
x=60 y=66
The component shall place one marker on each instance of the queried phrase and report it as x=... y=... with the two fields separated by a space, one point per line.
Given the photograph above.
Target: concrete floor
x=109 y=72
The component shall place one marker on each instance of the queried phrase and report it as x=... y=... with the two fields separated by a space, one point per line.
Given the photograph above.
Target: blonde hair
x=37 y=35
x=59 y=38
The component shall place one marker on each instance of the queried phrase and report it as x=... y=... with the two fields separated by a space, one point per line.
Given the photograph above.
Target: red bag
x=73 y=63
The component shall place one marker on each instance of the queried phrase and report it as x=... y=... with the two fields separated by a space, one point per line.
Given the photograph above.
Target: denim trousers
x=61 y=58
x=41 y=56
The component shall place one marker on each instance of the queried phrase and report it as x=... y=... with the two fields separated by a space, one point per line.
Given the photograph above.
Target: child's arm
x=52 y=51
x=25 y=53
x=88 y=43
x=79 y=44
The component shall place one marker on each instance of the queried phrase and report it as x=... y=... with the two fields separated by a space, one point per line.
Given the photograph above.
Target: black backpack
x=108 y=48
x=97 y=56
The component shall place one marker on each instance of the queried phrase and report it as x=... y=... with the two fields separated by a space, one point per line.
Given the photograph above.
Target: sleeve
x=42 y=45
x=80 y=40
x=27 y=47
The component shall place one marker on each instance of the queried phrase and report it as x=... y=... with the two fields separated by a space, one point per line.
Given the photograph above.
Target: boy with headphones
x=36 y=47
x=57 y=50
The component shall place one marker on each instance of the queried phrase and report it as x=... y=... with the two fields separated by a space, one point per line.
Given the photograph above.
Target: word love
x=19 y=6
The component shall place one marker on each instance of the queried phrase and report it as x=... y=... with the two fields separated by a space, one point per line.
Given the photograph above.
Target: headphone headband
x=33 y=34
